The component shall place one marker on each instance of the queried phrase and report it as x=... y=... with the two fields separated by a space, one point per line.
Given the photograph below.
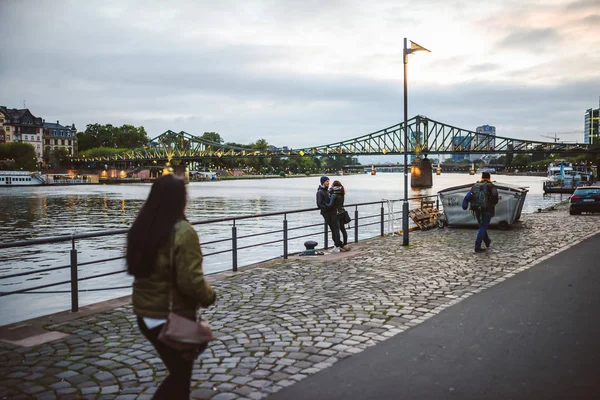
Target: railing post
x=356 y=225
x=382 y=220
x=437 y=202
x=74 y=279
x=285 y=237
x=326 y=244
x=234 y=247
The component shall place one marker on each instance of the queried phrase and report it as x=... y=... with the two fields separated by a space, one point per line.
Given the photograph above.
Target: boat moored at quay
x=563 y=177
x=21 y=178
x=28 y=178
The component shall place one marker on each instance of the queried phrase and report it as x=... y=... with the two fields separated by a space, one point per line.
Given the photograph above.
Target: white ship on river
x=21 y=178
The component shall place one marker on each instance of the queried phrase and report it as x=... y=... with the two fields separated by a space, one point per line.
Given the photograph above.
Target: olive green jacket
x=151 y=294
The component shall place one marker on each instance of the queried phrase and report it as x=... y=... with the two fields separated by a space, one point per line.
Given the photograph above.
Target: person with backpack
x=329 y=213
x=482 y=199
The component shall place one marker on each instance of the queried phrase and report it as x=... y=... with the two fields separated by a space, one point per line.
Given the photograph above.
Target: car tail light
x=573 y=198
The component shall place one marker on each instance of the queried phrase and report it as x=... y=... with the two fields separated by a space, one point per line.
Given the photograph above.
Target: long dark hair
x=338 y=183
x=152 y=228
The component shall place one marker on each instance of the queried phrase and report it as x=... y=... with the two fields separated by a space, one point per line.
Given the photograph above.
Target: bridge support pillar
x=421 y=175
x=182 y=171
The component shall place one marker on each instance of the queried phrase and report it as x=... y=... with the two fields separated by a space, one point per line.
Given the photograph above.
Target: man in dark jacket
x=329 y=213
x=483 y=198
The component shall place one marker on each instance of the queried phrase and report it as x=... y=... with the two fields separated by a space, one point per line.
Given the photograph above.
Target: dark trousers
x=344 y=233
x=333 y=221
x=177 y=384
x=483 y=219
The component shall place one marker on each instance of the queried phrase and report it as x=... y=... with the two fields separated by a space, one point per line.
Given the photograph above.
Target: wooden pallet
x=425 y=217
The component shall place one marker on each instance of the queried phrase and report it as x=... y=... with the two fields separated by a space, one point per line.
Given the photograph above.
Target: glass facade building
x=590 y=129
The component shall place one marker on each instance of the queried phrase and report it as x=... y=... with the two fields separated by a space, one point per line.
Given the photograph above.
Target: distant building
x=58 y=136
x=590 y=128
x=461 y=143
x=483 y=142
x=23 y=126
x=4 y=116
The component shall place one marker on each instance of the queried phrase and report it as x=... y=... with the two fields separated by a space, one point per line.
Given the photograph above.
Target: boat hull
x=508 y=210
x=20 y=178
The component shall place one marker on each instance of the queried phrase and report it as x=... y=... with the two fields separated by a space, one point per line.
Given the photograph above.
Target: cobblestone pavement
x=280 y=323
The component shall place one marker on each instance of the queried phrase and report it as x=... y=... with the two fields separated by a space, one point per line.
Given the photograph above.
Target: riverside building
x=57 y=136
x=23 y=126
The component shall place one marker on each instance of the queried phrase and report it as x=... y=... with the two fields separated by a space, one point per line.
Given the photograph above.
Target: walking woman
x=161 y=223
x=337 y=196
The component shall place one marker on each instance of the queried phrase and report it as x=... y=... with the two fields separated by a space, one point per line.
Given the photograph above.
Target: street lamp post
x=413 y=48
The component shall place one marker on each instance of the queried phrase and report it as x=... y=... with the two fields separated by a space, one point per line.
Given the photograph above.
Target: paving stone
x=225 y=396
x=202 y=393
x=241 y=380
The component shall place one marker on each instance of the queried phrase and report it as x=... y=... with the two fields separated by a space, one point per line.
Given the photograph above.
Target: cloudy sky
x=303 y=73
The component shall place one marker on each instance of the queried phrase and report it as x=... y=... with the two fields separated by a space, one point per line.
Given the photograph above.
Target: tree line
x=111 y=137
x=18 y=156
x=107 y=140
x=274 y=165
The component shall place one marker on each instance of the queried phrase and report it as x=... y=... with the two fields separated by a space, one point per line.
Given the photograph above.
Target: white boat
x=561 y=171
x=21 y=178
x=563 y=177
x=508 y=210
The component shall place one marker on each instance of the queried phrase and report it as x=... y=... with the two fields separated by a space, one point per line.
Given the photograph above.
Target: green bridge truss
x=425 y=136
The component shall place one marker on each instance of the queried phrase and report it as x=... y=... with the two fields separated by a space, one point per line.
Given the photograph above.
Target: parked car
x=585 y=199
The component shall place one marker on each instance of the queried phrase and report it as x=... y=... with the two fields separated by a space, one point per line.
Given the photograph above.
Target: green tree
x=86 y=141
x=130 y=137
x=58 y=157
x=212 y=136
x=19 y=156
x=521 y=160
x=260 y=144
x=98 y=135
x=509 y=156
x=103 y=152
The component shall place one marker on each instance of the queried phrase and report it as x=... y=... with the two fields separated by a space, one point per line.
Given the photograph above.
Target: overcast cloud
x=302 y=73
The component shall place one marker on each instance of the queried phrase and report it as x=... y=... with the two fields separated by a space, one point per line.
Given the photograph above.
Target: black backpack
x=484 y=196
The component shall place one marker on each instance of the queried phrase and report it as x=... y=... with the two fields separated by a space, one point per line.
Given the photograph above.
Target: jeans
x=483 y=219
x=177 y=384
x=344 y=233
x=333 y=221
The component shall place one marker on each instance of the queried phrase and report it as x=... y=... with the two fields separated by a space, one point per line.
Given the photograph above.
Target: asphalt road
x=534 y=336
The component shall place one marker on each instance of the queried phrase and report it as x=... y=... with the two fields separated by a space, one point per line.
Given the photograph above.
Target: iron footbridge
x=425 y=136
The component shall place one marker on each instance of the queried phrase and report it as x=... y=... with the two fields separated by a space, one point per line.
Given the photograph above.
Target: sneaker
x=480 y=250
x=488 y=244
x=335 y=250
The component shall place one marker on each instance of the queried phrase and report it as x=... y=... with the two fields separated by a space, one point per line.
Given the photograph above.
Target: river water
x=34 y=212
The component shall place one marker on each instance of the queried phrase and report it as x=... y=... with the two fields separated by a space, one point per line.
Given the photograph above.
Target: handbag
x=179 y=332
x=345 y=217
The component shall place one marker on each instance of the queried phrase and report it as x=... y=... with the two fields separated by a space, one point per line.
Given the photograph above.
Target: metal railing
x=359 y=222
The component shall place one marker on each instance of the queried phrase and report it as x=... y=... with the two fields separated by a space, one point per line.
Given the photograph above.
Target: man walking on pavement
x=329 y=213
x=483 y=198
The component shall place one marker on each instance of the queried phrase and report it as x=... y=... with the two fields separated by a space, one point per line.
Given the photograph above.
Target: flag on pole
x=415 y=47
